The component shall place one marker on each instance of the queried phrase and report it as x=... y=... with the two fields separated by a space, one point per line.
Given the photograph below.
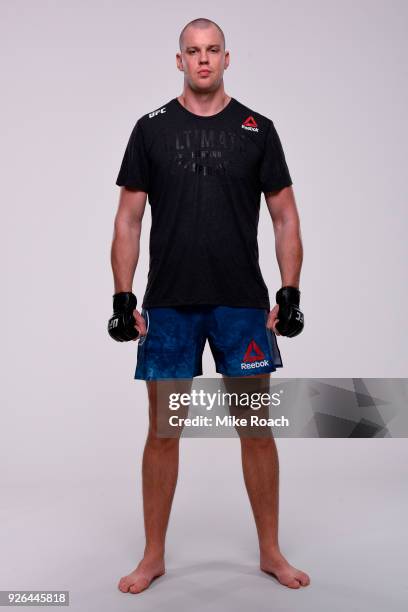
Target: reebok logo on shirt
x=253 y=356
x=250 y=124
x=157 y=112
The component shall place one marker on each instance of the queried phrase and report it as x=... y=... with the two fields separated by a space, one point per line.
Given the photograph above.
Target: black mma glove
x=121 y=324
x=291 y=319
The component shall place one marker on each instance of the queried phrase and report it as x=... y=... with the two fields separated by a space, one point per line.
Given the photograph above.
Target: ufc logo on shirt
x=154 y=113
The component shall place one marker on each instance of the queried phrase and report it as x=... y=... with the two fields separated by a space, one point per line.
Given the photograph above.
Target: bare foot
x=283 y=571
x=140 y=579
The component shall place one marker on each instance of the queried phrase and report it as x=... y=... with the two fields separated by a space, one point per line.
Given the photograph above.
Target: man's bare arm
x=288 y=242
x=126 y=237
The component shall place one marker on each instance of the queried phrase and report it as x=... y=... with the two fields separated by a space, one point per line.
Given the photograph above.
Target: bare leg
x=260 y=466
x=159 y=475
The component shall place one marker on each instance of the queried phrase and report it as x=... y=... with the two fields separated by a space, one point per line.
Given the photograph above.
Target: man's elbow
x=287 y=221
x=125 y=225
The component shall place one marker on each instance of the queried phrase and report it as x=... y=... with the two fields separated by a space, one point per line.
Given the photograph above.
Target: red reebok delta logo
x=253 y=356
x=252 y=346
x=250 y=124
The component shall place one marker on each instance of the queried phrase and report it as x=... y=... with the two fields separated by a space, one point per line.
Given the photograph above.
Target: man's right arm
x=126 y=237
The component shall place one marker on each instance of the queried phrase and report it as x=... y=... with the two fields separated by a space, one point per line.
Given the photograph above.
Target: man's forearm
x=125 y=254
x=289 y=252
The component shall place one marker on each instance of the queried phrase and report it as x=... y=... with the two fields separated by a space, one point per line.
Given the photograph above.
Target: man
x=204 y=159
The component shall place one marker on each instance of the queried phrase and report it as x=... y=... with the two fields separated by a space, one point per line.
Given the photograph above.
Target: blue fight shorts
x=173 y=346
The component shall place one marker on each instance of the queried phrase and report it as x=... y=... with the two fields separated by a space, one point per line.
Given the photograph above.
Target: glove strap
x=125 y=300
x=288 y=295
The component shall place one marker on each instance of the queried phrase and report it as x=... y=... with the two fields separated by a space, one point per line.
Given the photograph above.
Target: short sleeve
x=134 y=170
x=274 y=172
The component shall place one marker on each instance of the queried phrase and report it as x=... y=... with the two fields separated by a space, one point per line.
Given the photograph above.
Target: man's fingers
x=272 y=318
x=273 y=321
x=140 y=324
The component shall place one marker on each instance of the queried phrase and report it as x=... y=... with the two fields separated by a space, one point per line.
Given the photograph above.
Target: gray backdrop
x=75 y=78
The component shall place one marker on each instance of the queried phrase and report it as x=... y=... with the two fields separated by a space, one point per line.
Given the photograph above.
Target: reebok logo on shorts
x=250 y=124
x=254 y=357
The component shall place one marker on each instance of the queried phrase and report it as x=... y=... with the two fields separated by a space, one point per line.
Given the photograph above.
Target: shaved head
x=200 y=23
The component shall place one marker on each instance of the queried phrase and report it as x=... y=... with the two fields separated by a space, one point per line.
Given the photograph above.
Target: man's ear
x=179 y=62
x=226 y=60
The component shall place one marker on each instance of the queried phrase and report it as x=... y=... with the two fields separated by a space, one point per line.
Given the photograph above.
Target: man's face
x=203 y=58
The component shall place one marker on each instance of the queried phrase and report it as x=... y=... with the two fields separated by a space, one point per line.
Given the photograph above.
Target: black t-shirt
x=204 y=177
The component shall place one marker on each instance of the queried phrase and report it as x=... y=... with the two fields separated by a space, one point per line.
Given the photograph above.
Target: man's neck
x=206 y=103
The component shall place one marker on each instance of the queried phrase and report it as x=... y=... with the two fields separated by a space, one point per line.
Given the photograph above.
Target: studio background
x=75 y=78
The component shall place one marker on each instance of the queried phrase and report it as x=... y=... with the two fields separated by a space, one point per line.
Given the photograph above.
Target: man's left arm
x=288 y=242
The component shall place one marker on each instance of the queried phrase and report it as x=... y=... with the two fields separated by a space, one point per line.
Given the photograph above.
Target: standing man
x=204 y=159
